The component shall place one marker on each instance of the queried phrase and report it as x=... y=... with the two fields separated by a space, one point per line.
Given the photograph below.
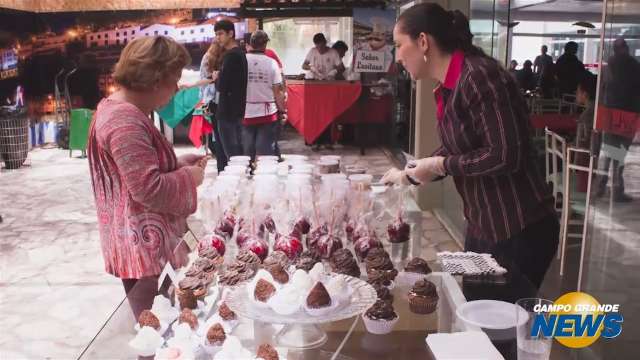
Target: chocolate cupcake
x=245 y=270
x=216 y=335
x=193 y=272
x=418 y=265
x=204 y=264
x=212 y=254
x=267 y=352
x=230 y=278
x=306 y=260
x=380 y=318
x=194 y=284
x=383 y=293
x=423 y=297
x=147 y=318
x=225 y=313
x=378 y=259
x=187 y=316
x=279 y=273
x=264 y=290
x=380 y=277
x=187 y=299
x=318 y=297
x=276 y=258
x=343 y=262
x=249 y=257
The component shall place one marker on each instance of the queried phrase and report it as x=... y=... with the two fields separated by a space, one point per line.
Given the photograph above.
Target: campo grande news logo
x=577 y=320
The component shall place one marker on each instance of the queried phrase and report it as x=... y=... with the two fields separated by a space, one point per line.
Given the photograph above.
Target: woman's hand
x=190 y=159
x=395 y=176
x=426 y=169
x=197 y=174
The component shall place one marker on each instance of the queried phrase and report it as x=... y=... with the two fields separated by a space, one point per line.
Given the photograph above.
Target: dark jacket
x=569 y=70
x=232 y=86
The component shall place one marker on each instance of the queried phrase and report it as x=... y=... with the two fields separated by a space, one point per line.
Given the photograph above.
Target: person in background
x=341 y=47
x=513 y=64
x=209 y=70
x=322 y=62
x=143 y=192
x=621 y=91
x=525 y=76
x=586 y=97
x=265 y=99
x=483 y=125
x=232 y=91
x=569 y=69
x=541 y=61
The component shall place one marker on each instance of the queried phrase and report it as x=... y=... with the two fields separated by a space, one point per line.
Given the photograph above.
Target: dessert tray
x=301 y=328
x=469 y=263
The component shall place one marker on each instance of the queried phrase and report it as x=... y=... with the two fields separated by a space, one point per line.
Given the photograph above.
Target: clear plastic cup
x=530 y=347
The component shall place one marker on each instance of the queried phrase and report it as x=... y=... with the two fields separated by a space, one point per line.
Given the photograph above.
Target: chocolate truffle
x=225 y=313
x=267 y=352
x=279 y=273
x=264 y=290
x=318 y=297
x=216 y=335
x=418 y=265
x=147 y=318
x=187 y=316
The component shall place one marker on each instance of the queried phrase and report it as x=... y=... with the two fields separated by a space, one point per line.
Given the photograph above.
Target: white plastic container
x=361 y=180
x=496 y=318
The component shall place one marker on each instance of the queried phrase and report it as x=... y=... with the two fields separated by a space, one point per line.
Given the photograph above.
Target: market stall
x=302 y=261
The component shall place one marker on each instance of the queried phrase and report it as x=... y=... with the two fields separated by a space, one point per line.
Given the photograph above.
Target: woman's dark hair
x=589 y=83
x=340 y=45
x=319 y=38
x=450 y=29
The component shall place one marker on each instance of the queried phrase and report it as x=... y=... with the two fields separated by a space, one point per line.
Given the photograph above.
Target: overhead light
x=584 y=24
x=510 y=24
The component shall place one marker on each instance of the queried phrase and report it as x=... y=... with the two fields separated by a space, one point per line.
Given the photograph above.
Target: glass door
x=610 y=259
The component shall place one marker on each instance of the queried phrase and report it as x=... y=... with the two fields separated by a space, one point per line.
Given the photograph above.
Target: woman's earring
x=426 y=59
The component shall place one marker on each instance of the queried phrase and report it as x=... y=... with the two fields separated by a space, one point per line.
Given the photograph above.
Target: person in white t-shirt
x=322 y=62
x=265 y=99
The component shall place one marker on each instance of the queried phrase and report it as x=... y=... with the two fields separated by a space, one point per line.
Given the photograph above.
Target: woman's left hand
x=426 y=169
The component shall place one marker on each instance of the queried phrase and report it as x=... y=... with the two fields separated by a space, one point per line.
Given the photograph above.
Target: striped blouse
x=483 y=126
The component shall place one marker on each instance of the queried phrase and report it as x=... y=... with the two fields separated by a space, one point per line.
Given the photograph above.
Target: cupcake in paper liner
x=287 y=301
x=148 y=319
x=262 y=292
x=318 y=272
x=319 y=302
x=163 y=309
x=233 y=350
x=423 y=297
x=184 y=336
x=416 y=269
x=227 y=325
x=188 y=317
x=380 y=318
x=214 y=339
x=147 y=341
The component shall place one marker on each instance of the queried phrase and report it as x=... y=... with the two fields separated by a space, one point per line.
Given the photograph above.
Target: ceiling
x=107 y=5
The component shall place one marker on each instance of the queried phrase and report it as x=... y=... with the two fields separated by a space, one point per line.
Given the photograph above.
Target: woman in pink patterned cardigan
x=143 y=193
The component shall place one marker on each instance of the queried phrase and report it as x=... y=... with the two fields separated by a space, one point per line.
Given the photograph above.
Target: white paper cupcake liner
x=209 y=349
x=228 y=326
x=409 y=278
x=379 y=327
x=148 y=347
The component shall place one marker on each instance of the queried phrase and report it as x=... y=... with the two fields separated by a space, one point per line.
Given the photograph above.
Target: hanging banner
x=373 y=40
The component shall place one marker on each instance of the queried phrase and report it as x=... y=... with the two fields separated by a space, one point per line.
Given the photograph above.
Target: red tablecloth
x=555 y=122
x=369 y=110
x=313 y=106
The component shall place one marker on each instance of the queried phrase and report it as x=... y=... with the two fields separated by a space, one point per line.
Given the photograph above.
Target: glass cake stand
x=300 y=329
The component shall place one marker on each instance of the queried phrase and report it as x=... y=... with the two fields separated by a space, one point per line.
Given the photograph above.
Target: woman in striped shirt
x=483 y=126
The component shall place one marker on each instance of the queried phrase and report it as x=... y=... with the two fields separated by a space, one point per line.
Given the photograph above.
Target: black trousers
x=526 y=254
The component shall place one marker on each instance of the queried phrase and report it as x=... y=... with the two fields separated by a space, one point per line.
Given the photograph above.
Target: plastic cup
x=536 y=347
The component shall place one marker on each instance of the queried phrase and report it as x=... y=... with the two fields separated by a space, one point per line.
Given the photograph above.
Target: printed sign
x=369 y=61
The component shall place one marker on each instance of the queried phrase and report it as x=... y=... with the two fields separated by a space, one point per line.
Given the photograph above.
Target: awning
x=110 y=5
